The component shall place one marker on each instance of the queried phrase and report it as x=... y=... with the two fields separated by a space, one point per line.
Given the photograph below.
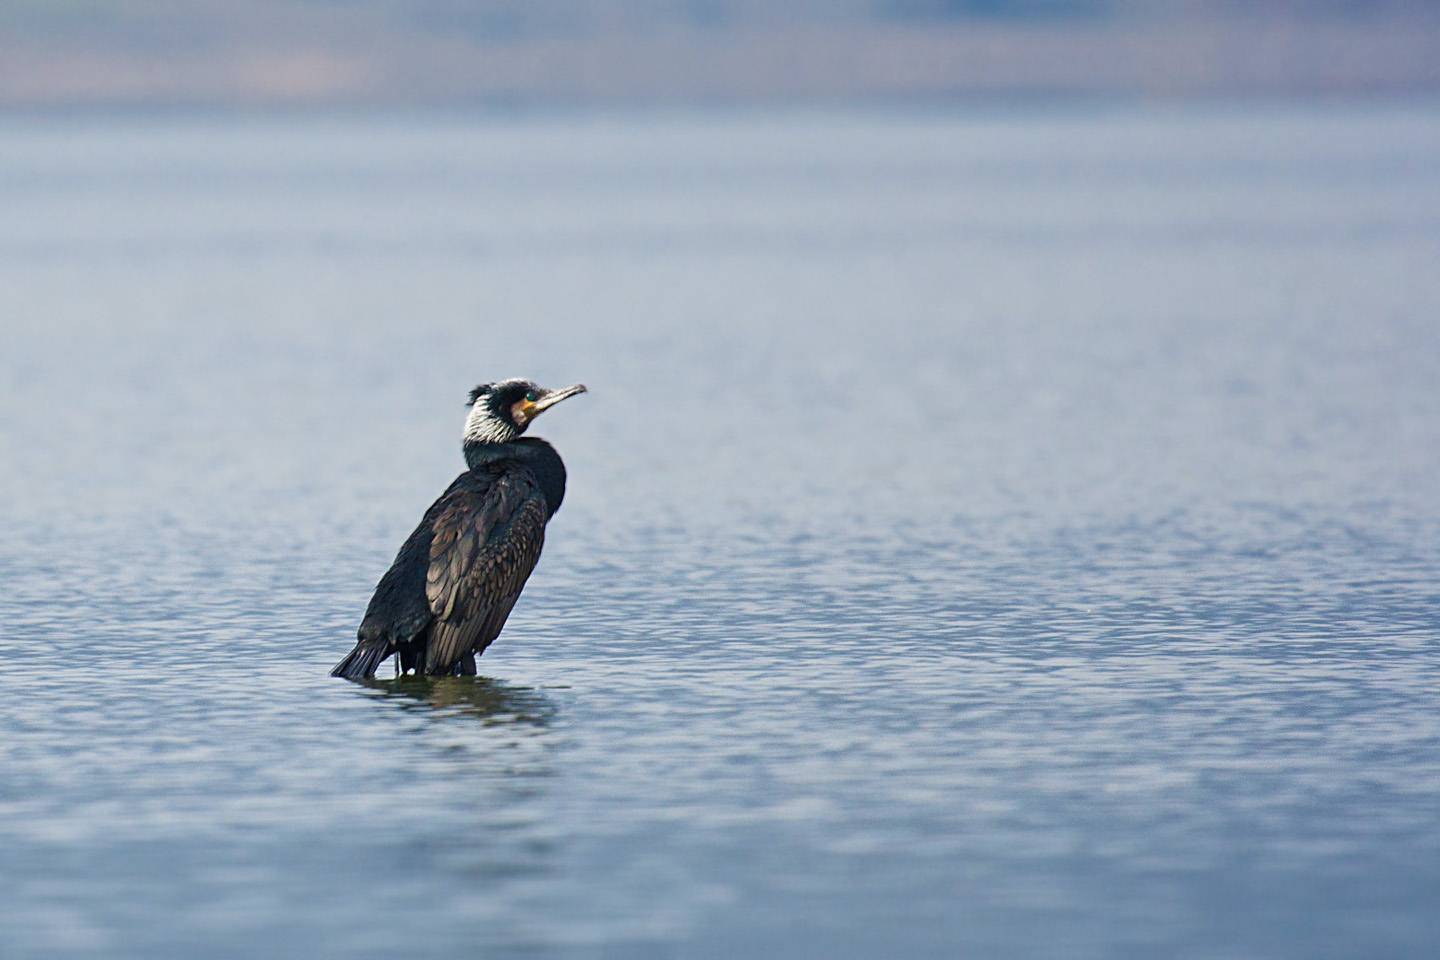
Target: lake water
x=990 y=534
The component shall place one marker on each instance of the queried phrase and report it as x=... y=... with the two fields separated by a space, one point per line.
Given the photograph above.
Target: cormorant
x=452 y=584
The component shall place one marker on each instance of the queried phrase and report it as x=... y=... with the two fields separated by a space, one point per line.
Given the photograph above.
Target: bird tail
x=360 y=663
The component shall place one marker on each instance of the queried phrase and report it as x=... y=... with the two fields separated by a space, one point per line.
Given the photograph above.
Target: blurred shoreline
x=795 y=61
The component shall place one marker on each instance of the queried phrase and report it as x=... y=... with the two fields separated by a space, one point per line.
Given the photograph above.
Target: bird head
x=500 y=412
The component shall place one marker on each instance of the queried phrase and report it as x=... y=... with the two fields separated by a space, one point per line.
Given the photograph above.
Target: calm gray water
x=989 y=535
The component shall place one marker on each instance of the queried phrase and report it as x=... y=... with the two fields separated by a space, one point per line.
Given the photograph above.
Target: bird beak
x=527 y=411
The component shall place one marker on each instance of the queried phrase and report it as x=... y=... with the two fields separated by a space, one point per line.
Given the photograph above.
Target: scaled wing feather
x=487 y=541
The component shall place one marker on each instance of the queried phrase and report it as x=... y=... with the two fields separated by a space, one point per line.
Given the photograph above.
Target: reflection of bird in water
x=481 y=698
x=452 y=585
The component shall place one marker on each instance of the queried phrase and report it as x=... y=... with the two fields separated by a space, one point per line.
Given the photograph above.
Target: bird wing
x=487 y=539
x=398 y=611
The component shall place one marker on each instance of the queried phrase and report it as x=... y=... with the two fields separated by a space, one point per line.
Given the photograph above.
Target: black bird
x=452 y=584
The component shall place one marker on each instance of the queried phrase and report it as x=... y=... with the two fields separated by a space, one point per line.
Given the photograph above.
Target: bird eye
x=532 y=396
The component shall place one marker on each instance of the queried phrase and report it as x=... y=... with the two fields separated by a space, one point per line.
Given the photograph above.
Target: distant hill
x=394 y=52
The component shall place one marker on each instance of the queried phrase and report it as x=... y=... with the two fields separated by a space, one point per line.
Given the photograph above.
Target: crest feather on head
x=479 y=392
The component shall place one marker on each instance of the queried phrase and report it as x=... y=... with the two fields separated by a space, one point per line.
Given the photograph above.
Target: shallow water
x=1005 y=534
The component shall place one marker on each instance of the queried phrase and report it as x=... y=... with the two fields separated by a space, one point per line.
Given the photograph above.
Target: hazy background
x=509 y=52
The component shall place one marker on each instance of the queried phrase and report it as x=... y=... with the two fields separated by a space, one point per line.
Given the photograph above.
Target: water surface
x=1003 y=535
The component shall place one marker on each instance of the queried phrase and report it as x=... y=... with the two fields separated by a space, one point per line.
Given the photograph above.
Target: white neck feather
x=484 y=427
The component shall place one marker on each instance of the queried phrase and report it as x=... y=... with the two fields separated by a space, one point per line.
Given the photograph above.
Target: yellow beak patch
x=522 y=412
